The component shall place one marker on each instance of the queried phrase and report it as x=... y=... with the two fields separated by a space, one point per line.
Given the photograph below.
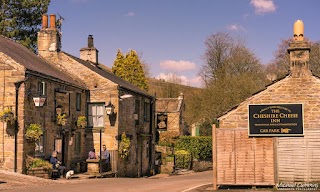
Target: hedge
x=200 y=147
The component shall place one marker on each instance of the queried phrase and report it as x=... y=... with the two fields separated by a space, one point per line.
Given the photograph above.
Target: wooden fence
x=299 y=158
x=242 y=160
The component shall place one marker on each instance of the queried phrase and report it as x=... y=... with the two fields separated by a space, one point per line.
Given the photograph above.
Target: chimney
x=52 y=21
x=299 y=51
x=44 y=21
x=89 y=53
x=49 y=38
x=90 y=41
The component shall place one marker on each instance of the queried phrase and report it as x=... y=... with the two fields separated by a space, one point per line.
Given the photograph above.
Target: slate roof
x=168 y=105
x=32 y=62
x=104 y=72
x=263 y=89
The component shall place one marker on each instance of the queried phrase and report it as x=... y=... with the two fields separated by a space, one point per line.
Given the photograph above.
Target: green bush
x=200 y=147
x=183 y=159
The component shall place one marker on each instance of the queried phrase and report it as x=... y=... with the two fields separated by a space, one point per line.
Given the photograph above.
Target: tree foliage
x=21 y=19
x=130 y=68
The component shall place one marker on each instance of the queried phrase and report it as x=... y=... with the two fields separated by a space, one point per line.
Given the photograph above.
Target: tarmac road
x=185 y=182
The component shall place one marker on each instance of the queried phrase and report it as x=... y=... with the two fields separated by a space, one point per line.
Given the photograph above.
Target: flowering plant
x=6 y=115
x=61 y=119
x=33 y=132
x=124 y=147
x=37 y=163
x=81 y=122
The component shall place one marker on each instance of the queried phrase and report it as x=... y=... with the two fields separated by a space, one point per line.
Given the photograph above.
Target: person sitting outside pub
x=56 y=164
x=105 y=157
x=92 y=154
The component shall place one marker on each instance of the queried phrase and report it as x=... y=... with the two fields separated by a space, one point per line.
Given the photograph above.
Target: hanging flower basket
x=6 y=115
x=81 y=122
x=124 y=147
x=61 y=119
x=33 y=132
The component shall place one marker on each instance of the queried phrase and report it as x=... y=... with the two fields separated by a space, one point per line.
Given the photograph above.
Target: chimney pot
x=90 y=41
x=52 y=21
x=298 y=30
x=44 y=21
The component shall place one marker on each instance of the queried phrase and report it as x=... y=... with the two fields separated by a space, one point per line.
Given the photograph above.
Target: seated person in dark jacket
x=56 y=164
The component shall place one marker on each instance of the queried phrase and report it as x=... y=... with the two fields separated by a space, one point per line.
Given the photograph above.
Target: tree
x=118 y=64
x=218 y=50
x=226 y=56
x=130 y=69
x=231 y=74
x=20 y=20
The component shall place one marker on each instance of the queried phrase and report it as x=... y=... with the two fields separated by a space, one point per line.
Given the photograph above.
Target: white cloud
x=180 y=79
x=235 y=27
x=263 y=6
x=130 y=14
x=177 y=65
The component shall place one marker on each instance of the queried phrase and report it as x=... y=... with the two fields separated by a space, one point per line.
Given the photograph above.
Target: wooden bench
x=55 y=174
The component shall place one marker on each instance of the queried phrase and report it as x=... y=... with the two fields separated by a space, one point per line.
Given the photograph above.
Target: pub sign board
x=162 y=121
x=276 y=120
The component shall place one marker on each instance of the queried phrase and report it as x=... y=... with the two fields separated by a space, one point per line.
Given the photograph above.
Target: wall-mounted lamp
x=109 y=108
x=125 y=96
x=39 y=100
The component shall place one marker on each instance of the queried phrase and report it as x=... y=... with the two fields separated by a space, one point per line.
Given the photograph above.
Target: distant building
x=169 y=114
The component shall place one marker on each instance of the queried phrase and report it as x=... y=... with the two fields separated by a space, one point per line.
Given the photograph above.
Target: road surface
x=174 y=183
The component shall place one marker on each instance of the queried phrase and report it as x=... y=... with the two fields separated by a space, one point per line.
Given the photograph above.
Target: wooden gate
x=242 y=160
x=299 y=158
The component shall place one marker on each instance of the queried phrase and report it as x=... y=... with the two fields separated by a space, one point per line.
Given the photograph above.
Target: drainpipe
x=17 y=85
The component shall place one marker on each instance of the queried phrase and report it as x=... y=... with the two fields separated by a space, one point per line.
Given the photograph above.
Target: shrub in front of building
x=199 y=147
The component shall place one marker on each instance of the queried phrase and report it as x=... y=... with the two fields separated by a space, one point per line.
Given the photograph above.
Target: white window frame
x=96 y=113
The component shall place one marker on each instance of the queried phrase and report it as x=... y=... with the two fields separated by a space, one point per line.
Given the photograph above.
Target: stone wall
x=10 y=72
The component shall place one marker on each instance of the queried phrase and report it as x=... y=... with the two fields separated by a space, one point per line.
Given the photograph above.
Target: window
x=146 y=111
x=39 y=150
x=96 y=114
x=42 y=88
x=77 y=143
x=78 y=101
x=147 y=149
x=137 y=111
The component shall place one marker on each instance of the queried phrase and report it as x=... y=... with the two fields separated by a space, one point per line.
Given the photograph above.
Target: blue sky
x=170 y=34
